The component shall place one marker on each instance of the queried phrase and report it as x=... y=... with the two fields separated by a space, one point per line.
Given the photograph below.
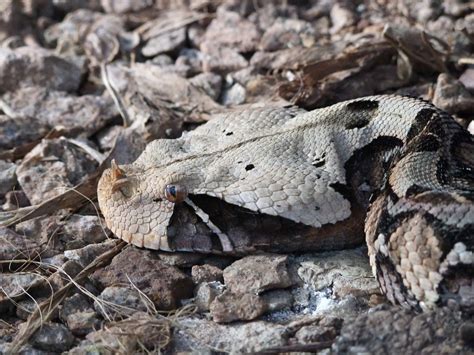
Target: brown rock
x=206 y=273
x=164 y=285
x=257 y=273
x=229 y=29
x=230 y=307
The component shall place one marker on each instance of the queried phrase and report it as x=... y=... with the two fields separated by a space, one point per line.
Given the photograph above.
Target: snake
x=394 y=170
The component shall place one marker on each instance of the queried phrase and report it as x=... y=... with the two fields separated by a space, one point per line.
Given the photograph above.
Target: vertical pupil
x=172 y=190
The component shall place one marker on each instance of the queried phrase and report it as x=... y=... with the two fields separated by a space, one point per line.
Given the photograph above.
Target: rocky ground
x=82 y=82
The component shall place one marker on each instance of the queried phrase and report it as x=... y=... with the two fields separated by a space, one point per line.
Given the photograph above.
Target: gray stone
x=14 y=285
x=236 y=338
x=87 y=113
x=257 y=273
x=229 y=307
x=124 y=6
x=37 y=66
x=7 y=177
x=191 y=58
x=180 y=259
x=117 y=302
x=223 y=60
x=210 y=83
x=85 y=229
x=206 y=273
x=16 y=131
x=235 y=95
x=165 y=42
x=84 y=256
x=346 y=272
x=14 y=245
x=231 y=30
x=205 y=293
x=82 y=323
x=53 y=167
x=52 y=337
x=404 y=331
x=287 y=33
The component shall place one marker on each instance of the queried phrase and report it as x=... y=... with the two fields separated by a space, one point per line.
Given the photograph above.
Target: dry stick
x=117 y=100
x=47 y=307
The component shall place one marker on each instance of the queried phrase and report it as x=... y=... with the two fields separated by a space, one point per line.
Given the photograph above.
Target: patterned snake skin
x=400 y=163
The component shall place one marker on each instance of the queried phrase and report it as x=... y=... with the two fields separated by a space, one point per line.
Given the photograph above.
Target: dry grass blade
x=46 y=308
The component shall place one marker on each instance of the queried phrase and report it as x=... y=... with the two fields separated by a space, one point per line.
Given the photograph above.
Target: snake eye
x=175 y=193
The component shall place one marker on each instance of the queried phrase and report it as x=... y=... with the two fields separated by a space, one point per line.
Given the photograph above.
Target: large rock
x=28 y=66
x=229 y=29
x=229 y=307
x=164 y=285
x=86 y=113
x=400 y=331
x=52 y=167
x=53 y=337
x=257 y=273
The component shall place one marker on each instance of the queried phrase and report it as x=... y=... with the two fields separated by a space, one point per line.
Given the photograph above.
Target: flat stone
x=164 y=285
x=257 y=273
x=223 y=60
x=229 y=307
x=84 y=230
x=14 y=285
x=229 y=29
x=180 y=259
x=206 y=273
x=235 y=338
x=125 y=6
x=87 y=113
x=84 y=256
x=37 y=66
x=346 y=272
x=82 y=323
x=117 y=302
x=130 y=336
x=165 y=42
x=52 y=167
x=407 y=333
x=17 y=131
x=288 y=33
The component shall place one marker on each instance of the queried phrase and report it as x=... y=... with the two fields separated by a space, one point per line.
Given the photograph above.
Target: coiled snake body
x=400 y=164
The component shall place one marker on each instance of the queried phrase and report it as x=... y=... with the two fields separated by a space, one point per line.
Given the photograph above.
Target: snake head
x=136 y=210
